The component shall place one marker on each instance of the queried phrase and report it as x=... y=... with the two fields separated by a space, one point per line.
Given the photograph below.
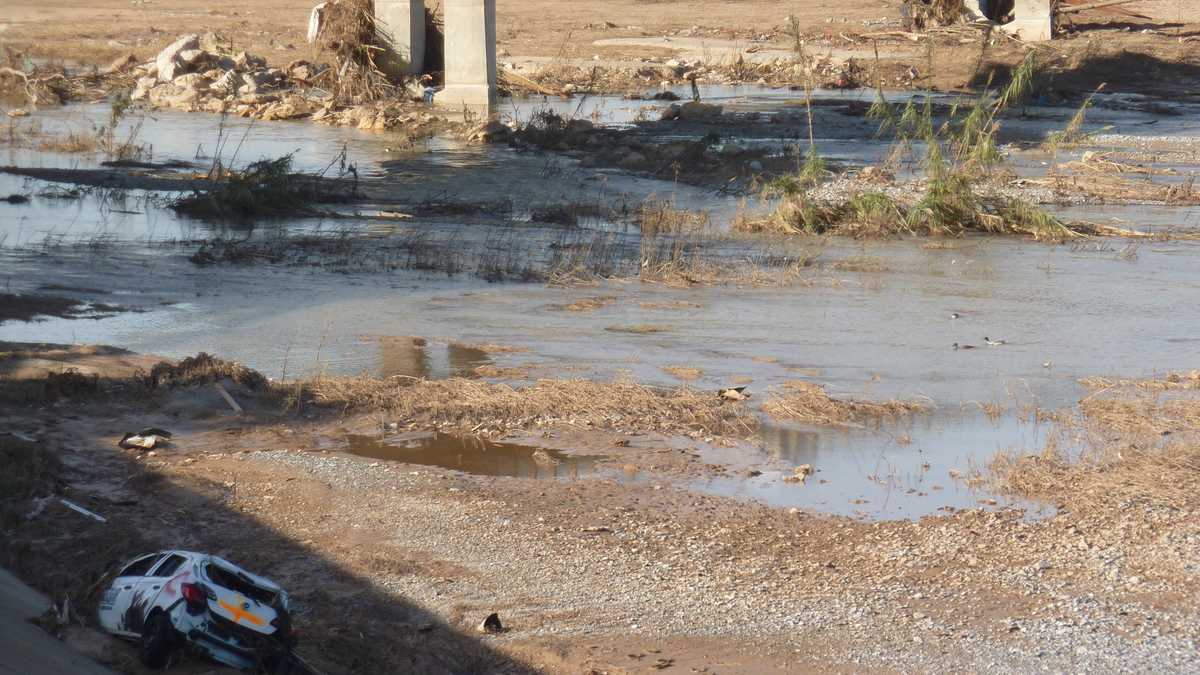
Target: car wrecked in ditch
x=204 y=604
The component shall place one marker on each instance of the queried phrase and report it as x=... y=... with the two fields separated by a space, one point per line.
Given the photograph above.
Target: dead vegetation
x=264 y=189
x=685 y=373
x=808 y=403
x=1109 y=478
x=365 y=68
x=481 y=407
x=586 y=304
x=1130 y=442
x=203 y=369
x=960 y=155
x=1166 y=382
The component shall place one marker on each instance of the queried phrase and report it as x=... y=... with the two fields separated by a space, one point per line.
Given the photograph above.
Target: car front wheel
x=157 y=640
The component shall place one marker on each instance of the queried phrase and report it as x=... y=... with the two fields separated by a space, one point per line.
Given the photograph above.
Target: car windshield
x=238 y=582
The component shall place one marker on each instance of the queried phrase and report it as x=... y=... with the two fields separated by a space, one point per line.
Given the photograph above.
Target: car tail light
x=194 y=594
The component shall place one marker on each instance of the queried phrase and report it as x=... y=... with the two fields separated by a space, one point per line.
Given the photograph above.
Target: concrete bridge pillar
x=1031 y=20
x=404 y=20
x=470 y=54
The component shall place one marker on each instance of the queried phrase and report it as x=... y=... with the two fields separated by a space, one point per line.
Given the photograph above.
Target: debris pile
x=195 y=73
x=365 y=67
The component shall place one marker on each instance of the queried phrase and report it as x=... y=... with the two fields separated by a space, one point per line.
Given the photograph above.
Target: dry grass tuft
x=1140 y=446
x=480 y=407
x=588 y=304
x=203 y=369
x=683 y=372
x=1169 y=381
x=862 y=263
x=662 y=217
x=490 y=348
x=808 y=403
x=1115 y=477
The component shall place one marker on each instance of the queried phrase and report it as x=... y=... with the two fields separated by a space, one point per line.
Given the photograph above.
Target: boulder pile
x=195 y=73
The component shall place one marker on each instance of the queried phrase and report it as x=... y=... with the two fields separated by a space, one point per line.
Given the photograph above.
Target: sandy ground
x=1124 y=52
x=392 y=565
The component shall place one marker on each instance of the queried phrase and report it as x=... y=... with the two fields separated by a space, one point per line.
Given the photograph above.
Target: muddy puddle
x=875 y=320
x=477 y=456
x=924 y=466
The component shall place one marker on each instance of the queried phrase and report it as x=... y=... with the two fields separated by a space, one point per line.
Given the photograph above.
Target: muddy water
x=1065 y=312
x=477 y=456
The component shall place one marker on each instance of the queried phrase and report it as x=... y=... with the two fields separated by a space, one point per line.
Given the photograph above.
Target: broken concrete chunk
x=211 y=42
x=167 y=59
x=244 y=61
x=144 y=85
x=227 y=83
x=191 y=82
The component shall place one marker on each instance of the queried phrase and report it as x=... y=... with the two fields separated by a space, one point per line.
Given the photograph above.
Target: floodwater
x=880 y=326
x=477 y=456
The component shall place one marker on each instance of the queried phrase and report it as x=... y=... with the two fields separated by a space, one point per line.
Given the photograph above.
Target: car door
x=156 y=590
x=117 y=600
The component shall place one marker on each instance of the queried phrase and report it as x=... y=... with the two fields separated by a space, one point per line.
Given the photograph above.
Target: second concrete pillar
x=470 y=54
x=404 y=21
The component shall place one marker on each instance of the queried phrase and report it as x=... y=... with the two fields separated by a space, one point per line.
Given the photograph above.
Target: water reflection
x=477 y=456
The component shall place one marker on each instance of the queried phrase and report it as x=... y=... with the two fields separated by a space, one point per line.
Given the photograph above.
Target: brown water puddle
x=478 y=456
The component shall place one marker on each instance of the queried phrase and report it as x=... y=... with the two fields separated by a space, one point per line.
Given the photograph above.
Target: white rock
x=167 y=59
x=144 y=85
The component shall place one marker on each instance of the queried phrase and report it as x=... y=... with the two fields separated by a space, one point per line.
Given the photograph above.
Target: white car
x=174 y=599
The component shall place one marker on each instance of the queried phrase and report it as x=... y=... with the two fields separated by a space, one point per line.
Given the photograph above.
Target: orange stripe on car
x=239 y=613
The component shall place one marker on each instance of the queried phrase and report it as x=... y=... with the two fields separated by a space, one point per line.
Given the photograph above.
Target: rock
x=491 y=624
x=303 y=70
x=289 y=108
x=212 y=42
x=120 y=65
x=167 y=59
x=170 y=96
x=256 y=81
x=691 y=111
x=191 y=82
x=754 y=165
x=492 y=131
x=245 y=61
x=144 y=85
x=227 y=83
x=192 y=57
